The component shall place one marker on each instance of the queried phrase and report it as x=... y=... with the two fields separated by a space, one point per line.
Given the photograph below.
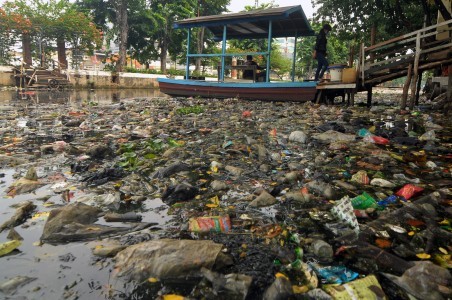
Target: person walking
x=320 y=51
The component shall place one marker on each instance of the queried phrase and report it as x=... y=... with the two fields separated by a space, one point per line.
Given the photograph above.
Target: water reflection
x=76 y=96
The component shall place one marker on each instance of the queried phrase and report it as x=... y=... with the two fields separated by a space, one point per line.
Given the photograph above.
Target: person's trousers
x=322 y=65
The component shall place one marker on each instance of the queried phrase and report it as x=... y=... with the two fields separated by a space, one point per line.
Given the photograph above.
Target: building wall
x=6 y=74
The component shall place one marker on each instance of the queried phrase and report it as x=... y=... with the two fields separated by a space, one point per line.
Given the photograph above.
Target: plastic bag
x=388 y=201
x=9 y=246
x=379 y=140
x=364 y=288
x=408 y=191
x=334 y=274
x=364 y=201
x=343 y=209
x=371 y=138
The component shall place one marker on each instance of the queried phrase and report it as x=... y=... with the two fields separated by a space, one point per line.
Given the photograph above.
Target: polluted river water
x=57 y=269
x=266 y=166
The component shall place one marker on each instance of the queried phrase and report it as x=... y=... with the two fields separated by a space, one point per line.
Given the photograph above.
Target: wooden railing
x=419 y=50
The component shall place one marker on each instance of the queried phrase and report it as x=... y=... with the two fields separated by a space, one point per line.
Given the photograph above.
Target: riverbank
x=92 y=79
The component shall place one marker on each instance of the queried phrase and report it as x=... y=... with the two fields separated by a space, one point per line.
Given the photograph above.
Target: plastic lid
x=337 y=66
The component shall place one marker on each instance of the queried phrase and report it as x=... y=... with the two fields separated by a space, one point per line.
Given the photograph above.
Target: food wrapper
x=361 y=177
x=343 y=210
x=210 y=224
x=408 y=191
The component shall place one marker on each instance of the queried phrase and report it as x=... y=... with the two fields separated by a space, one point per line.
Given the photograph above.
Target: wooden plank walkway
x=392 y=59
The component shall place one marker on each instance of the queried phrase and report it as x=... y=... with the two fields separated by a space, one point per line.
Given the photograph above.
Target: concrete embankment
x=94 y=79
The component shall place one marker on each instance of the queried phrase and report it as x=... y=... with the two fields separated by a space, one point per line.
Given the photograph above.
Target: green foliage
x=353 y=19
x=196 y=109
x=151 y=29
x=279 y=63
x=50 y=20
x=6 y=43
x=172 y=72
x=135 y=155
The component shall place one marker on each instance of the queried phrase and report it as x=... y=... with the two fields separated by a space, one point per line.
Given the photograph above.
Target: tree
x=142 y=40
x=354 y=19
x=121 y=18
x=16 y=19
x=76 y=28
x=49 y=22
x=6 y=37
x=111 y=12
x=163 y=14
x=206 y=8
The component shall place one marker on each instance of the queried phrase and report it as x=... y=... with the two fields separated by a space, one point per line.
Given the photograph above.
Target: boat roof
x=287 y=21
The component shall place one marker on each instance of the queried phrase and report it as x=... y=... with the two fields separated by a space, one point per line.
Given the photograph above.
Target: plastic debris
x=210 y=224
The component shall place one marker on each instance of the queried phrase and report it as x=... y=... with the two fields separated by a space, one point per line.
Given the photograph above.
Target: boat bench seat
x=239 y=67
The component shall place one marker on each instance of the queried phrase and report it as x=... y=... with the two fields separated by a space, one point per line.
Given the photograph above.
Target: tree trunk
x=61 y=45
x=164 y=50
x=425 y=8
x=121 y=15
x=26 y=49
x=200 y=46
x=373 y=37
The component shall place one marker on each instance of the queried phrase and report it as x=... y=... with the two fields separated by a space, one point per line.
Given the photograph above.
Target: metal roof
x=287 y=21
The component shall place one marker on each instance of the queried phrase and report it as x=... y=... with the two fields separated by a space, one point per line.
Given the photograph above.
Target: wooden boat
x=256 y=24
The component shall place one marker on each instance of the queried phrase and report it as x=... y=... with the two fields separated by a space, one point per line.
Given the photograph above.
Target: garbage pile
x=266 y=200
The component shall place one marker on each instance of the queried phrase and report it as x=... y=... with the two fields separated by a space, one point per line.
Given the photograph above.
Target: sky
x=238 y=5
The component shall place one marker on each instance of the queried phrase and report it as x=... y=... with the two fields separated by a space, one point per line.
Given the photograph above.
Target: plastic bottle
x=322 y=250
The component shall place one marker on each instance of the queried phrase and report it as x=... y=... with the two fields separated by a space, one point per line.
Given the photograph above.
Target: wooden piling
x=405 y=87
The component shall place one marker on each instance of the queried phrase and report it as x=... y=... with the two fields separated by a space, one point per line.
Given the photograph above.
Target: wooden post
x=405 y=87
x=369 y=95
x=418 y=89
x=362 y=59
x=351 y=55
x=415 y=70
x=448 y=105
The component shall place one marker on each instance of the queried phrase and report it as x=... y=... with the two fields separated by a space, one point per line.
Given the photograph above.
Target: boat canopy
x=267 y=23
x=289 y=21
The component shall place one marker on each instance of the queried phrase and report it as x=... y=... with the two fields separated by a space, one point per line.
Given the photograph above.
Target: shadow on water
x=76 y=96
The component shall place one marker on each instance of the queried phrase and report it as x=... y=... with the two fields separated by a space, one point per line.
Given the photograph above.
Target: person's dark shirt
x=320 y=44
x=248 y=74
